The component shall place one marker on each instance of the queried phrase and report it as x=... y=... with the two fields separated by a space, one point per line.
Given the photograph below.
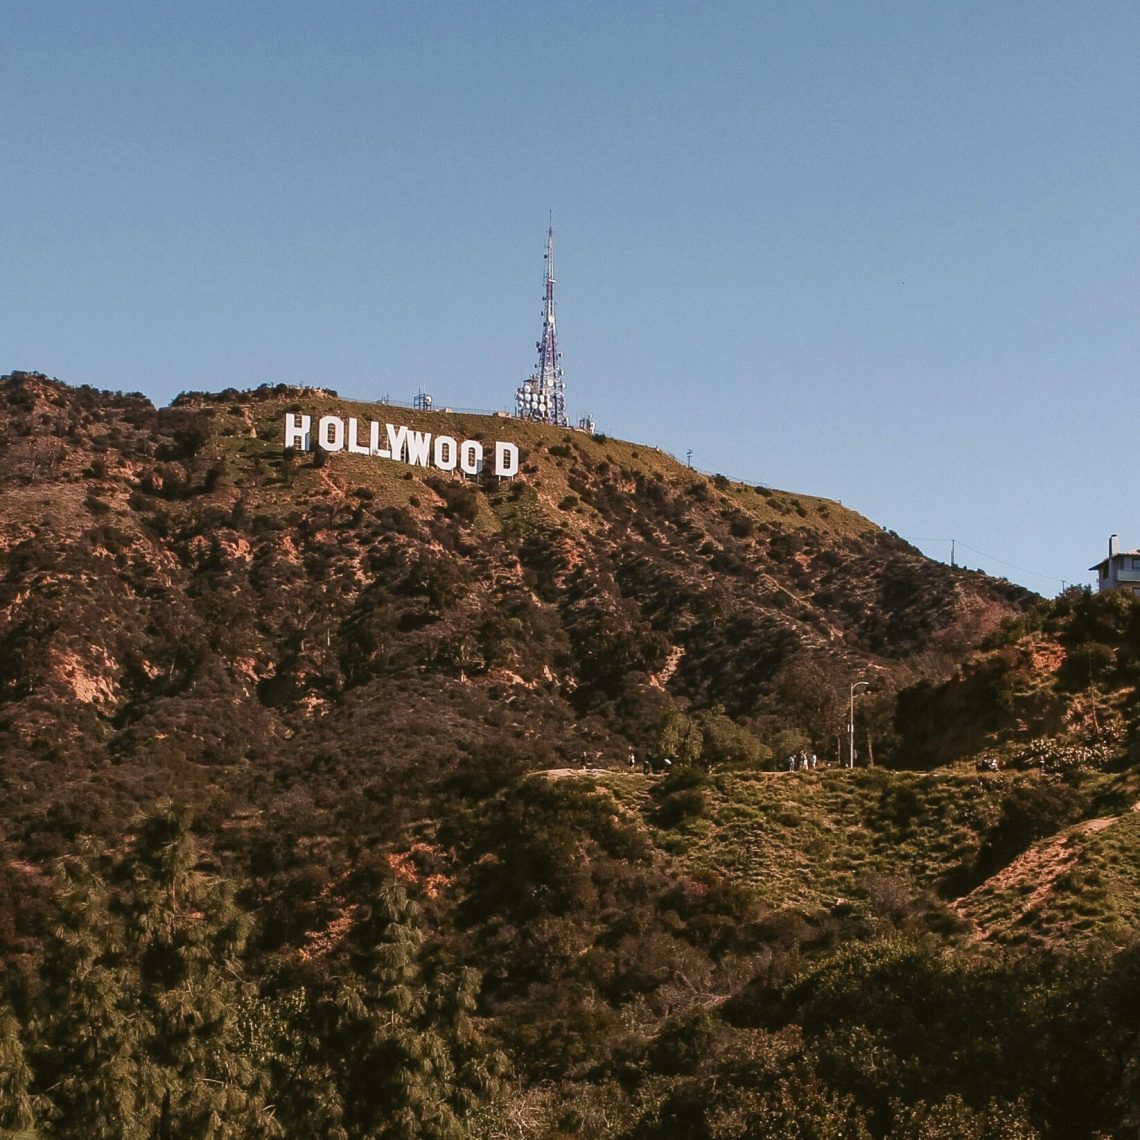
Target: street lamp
x=851 y=721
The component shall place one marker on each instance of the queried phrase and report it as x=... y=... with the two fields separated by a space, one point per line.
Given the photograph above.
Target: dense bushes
x=549 y=948
x=140 y=1019
x=1068 y=670
x=924 y=1039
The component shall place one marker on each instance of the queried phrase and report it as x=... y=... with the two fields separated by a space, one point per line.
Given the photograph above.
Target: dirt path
x=250 y=426
x=660 y=680
x=562 y=773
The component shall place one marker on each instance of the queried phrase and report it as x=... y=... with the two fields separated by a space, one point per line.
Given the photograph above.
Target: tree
x=813 y=698
x=289 y=465
x=725 y=742
x=17 y=1108
x=191 y=936
x=681 y=738
x=138 y=1034
x=389 y=1051
x=90 y=1057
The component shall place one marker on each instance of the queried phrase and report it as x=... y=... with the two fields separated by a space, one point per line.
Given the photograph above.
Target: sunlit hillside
x=350 y=797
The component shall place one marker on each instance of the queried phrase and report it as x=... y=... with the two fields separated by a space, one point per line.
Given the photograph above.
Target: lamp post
x=851 y=721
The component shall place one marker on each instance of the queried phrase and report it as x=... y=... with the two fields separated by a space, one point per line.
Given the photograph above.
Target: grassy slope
x=809 y=840
x=1082 y=883
x=388 y=478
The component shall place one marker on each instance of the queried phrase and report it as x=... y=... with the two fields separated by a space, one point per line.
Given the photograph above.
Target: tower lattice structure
x=542 y=397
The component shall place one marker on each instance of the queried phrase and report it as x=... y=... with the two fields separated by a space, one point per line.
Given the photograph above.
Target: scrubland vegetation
x=297 y=840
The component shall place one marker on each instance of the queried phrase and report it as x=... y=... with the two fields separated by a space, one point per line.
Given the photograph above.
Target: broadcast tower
x=542 y=397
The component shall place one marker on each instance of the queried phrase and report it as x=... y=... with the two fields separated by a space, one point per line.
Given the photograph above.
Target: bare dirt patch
x=1030 y=880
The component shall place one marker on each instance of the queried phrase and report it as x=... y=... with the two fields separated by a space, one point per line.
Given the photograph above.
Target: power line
x=690 y=455
x=916 y=541
x=994 y=558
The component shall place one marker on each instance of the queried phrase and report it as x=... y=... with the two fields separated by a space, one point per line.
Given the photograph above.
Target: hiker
x=632 y=760
x=792 y=763
x=647 y=767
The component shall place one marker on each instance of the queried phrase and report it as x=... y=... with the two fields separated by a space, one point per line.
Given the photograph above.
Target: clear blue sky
x=882 y=252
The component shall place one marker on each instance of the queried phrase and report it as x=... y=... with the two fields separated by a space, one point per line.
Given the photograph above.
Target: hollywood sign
x=419 y=448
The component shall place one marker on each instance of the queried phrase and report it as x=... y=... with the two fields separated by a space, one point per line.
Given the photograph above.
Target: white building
x=1120 y=570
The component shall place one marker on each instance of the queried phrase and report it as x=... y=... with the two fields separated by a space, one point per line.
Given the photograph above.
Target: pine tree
x=90 y=1061
x=394 y=1038
x=17 y=1109
x=191 y=937
x=140 y=1035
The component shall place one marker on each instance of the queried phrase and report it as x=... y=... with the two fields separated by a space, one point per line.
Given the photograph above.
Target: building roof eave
x=1118 y=554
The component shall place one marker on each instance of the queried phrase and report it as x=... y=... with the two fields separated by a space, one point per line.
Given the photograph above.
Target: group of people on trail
x=647 y=765
x=802 y=762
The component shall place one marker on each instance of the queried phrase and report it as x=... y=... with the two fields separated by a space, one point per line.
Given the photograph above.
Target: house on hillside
x=1120 y=570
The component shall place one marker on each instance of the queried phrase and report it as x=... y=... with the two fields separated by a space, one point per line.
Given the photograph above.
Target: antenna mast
x=542 y=397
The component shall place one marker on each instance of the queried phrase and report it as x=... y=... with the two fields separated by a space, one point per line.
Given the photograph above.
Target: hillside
x=317 y=818
x=181 y=595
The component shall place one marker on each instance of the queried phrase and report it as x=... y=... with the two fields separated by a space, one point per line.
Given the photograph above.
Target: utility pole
x=953 y=545
x=851 y=721
x=689 y=457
